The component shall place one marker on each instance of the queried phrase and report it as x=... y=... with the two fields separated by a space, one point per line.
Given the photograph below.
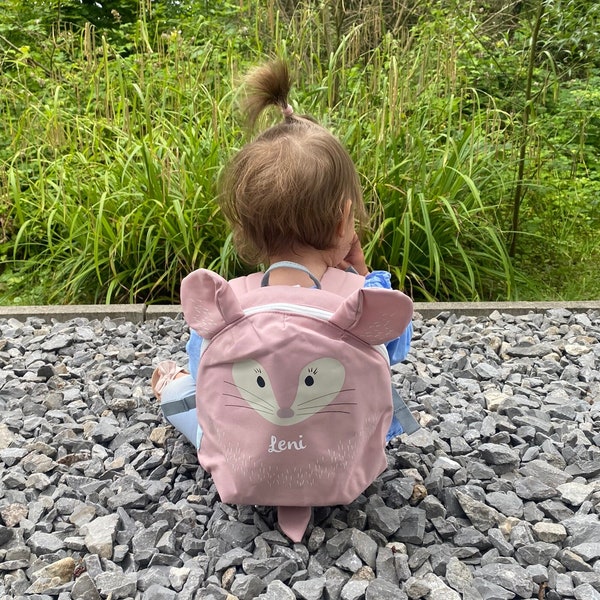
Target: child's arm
x=397 y=348
x=193 y=350
x=355 y=259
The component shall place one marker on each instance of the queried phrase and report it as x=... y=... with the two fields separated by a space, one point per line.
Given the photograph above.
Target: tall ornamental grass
x=118 y=200
x=108 y=168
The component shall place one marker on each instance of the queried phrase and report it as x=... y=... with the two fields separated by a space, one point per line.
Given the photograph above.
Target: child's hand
x=355 y=258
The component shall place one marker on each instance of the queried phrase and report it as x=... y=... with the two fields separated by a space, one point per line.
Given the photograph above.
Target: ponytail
x=267 y=85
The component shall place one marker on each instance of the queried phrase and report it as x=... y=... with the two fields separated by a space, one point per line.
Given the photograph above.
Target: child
x=292 y=197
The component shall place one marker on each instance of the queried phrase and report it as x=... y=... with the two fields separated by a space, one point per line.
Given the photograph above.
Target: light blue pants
x=178 y=404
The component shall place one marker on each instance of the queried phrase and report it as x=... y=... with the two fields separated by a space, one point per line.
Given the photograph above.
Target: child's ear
x=374 y=315
x=208 y=302
x=347 y=219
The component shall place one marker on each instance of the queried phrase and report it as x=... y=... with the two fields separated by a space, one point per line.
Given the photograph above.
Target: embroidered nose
x=285 y=413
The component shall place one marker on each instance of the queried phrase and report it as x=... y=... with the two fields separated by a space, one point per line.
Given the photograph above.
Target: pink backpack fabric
x=294 y=393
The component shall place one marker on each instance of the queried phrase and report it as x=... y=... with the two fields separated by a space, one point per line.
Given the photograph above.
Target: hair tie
x=288 y=111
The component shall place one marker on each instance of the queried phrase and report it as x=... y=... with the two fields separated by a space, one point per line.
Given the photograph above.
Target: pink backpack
x=294 y=388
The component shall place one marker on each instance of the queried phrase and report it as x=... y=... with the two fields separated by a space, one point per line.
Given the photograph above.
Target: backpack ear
x=374 y=315
x=208 y=302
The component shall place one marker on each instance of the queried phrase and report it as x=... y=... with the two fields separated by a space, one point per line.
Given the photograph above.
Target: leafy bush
x=111 y=141
x=120 y=201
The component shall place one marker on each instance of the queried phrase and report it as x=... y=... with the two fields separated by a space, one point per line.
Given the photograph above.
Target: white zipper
x=294 y=309
x=308 y=311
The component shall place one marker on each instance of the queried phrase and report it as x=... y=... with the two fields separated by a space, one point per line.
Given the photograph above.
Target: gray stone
x=555 y=509
x=56 y=342
x=482 y=516
x=284 y=572
x=582 y=529
x=316 y=539
x=158 y=592
x=508 y=503
x=385 y=566
x=277 y=590
x=100 y=535
x=520 y=534
x=105 y=431
x=575 y=493
x=538 y=573
x=212 y=592
x=311 y=589
x=382 y=518
x=572 y=561
x=349 y=561
x=589 y=551
x=233 y=557
x=191 y=586
x=586 y=592
x=562 y=584
x=487 y=371
x=84 y=589
x=154 y=576
x=537 y=553
x=532 y=488
x=263 y=566
x=178 y=577
x=458 y=575
x=380 y=589
x=448 y=465
x=45 y=543
x=355 y=589
x=365 y=546
x=549 y=474
x=549 y=532
x=509 y=576
x=118 y=585
x=417 y=588
x=492 y=591
x=533 y=351
x=412 y=525
x=247 y=587
x=504 y=547
x=335 y=579
x=234 y=533
x=499 y=454
x=581 y=578
x=433 y=507
x=402 y=568
x=469 y=536
x=438 y=590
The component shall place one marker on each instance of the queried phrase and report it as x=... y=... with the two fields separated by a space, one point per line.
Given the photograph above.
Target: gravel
x=496 y=497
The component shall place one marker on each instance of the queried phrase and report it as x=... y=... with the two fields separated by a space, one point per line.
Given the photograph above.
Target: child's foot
x=394 y=431
x=165 y=372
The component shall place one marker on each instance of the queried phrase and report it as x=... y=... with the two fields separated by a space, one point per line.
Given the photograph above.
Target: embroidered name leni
x=284 y=445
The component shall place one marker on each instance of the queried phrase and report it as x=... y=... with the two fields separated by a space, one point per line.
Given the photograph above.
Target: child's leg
x=176 y=390
x=178 y=403
x=403 y=420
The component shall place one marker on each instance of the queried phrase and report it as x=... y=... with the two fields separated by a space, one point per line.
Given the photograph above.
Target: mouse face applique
x=320 y=382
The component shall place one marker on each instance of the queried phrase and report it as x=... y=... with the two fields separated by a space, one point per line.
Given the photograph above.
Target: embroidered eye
x=260 y=381
x=309 y=380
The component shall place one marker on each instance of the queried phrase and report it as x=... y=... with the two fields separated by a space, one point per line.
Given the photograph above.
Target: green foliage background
x=116 y=117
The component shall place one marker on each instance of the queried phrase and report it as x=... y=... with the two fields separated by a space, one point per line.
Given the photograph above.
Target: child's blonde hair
x=288 y=188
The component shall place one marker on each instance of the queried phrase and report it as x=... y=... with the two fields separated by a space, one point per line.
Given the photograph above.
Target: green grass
x=108 y=165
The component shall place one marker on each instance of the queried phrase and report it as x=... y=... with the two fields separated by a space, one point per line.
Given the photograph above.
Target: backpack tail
x=293 y=521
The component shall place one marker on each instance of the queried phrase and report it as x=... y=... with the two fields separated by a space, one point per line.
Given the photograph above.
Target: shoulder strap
x=341 y=282
x=242 y=285
x=289 y=265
